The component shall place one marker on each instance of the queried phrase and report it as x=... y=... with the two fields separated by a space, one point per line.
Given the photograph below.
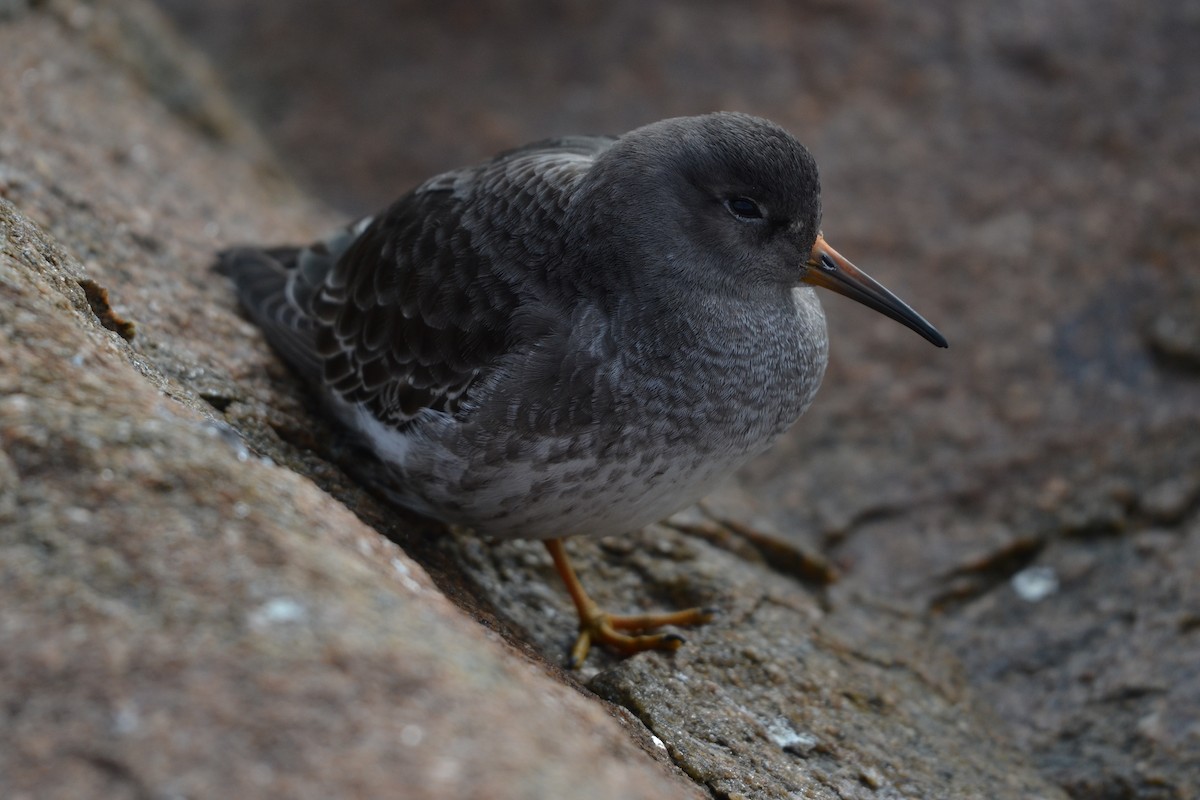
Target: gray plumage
x=577 y=337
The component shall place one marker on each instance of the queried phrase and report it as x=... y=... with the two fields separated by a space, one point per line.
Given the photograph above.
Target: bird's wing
x=409 y=313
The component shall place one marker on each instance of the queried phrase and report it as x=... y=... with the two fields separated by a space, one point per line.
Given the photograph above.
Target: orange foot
x=599 y=627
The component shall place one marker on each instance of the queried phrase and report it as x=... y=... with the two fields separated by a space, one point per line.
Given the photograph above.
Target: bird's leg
x=600 y=627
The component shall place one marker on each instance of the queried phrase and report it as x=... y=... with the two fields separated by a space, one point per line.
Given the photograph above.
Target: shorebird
x=577 y=337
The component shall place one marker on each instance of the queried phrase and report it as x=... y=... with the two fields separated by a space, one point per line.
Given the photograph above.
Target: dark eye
x=744 y=208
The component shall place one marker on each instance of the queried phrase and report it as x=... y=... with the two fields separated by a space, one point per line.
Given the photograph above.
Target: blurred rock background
x=1014 y=523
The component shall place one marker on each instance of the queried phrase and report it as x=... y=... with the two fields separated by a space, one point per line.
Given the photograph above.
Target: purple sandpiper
x=580 y=336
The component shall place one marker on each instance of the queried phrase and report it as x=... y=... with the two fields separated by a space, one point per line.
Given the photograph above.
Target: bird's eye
x=744 y=209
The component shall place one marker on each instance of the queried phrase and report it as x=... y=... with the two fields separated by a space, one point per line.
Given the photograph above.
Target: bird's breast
x=728 y=377
x=670 y=411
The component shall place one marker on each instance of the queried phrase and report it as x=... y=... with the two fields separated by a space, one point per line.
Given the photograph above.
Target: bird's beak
x=831 y=270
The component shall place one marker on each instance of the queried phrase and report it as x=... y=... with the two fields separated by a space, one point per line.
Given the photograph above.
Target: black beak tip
x=851 y=282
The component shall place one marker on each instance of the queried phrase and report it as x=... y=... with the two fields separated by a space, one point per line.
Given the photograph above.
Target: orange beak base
x=830 y=270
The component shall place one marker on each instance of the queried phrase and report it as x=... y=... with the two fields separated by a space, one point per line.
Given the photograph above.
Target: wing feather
x=423 y=302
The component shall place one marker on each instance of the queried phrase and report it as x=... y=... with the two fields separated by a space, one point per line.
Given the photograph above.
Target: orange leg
x=600 y=627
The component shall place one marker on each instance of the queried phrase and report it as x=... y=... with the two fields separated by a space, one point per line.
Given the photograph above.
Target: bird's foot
x=600 y=627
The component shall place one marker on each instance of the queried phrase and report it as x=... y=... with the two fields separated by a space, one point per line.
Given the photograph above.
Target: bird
x=580 y=336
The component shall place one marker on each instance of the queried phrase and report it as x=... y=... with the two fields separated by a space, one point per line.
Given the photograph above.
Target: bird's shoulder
x=451 y=278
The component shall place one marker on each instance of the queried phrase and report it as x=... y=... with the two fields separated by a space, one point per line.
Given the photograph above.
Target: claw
x=600 y=627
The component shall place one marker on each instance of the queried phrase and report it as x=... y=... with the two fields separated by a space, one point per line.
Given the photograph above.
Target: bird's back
x=402 y=311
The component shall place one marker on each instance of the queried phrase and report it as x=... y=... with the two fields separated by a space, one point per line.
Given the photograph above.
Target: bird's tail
x=277 y=287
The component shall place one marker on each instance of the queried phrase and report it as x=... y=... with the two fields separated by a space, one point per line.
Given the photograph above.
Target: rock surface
x=195 y=600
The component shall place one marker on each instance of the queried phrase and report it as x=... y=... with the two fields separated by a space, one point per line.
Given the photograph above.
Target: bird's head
x=731 y=203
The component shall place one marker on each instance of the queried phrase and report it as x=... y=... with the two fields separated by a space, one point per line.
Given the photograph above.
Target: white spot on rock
x=277 y=611
x=126 y=720
x=785 y=737
x=411 y=735
x=1035 y=583
x=405 y=575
